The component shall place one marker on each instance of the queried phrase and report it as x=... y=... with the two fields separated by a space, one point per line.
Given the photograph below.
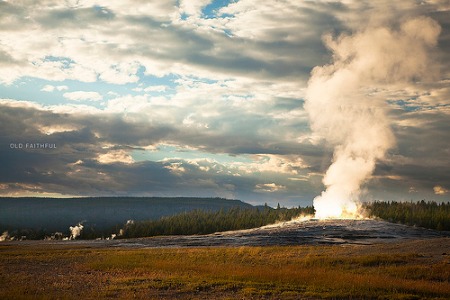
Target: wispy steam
x=75 y=231
x=344 y=109
x=4 y=236
x=127 y=224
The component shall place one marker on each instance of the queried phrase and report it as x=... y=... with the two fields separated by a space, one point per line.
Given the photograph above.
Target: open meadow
x=401 y=269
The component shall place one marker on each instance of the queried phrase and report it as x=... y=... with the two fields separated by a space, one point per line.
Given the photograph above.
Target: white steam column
x=346 y=107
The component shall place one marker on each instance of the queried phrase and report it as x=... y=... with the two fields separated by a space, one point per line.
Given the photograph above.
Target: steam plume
x=75 y=231
x=4 y=236
x=344 y=109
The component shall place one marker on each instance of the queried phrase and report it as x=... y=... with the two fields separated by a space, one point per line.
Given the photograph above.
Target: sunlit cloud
x=439 y=190
x=115 y=156
x=269 y=187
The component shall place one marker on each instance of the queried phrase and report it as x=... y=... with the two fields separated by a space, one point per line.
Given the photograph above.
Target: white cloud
x=51 y=88
x=83 y=96
x=62 y=87
x=193 y=7
x=48 y=88
x=152 y=88
x=121 y=74
x=156 y=88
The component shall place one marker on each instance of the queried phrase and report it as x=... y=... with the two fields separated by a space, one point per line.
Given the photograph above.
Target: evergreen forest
x=430 y=215
x=204 y=222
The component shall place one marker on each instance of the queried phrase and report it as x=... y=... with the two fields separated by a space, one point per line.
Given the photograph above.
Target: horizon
x=254 y=204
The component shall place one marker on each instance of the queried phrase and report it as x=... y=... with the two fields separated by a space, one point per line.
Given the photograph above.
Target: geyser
x=345 y=106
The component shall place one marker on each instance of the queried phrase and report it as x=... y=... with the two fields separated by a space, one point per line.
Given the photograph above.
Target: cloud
x=105 y=43
x=48 y=88
x=230 y=85
x=176 y=168
x=120 y=74
x=115 y=156
x=83 y=96
x=439 y=190
x=114 y=32
x=285 y=164
x=269 y=187
x=155 y=88
x=96 y=156
x=51 y=88
x=193 y=7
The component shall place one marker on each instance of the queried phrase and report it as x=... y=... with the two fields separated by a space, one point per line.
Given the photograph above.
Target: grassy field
x=407 y=270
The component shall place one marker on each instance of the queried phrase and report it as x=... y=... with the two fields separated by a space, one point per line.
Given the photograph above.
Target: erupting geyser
x=346 y=107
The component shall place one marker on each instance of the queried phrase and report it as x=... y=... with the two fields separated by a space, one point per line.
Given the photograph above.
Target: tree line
x=198 y=221
x=430 y=215
x=205 y=222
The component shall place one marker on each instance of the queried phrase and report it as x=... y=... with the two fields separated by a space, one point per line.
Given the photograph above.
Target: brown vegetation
x=406 y=270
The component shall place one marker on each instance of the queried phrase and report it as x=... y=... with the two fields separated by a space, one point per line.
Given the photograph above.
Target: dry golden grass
x=409 y=270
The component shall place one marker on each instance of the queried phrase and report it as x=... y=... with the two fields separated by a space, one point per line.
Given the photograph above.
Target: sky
x=219 y=98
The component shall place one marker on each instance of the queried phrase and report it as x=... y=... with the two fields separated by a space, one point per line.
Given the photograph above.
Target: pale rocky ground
x=296 y=232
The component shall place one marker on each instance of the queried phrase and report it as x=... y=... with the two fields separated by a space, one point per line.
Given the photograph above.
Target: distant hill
x=57 y=214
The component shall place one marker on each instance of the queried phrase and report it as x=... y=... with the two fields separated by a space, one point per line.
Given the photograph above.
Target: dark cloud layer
x=75 y=167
